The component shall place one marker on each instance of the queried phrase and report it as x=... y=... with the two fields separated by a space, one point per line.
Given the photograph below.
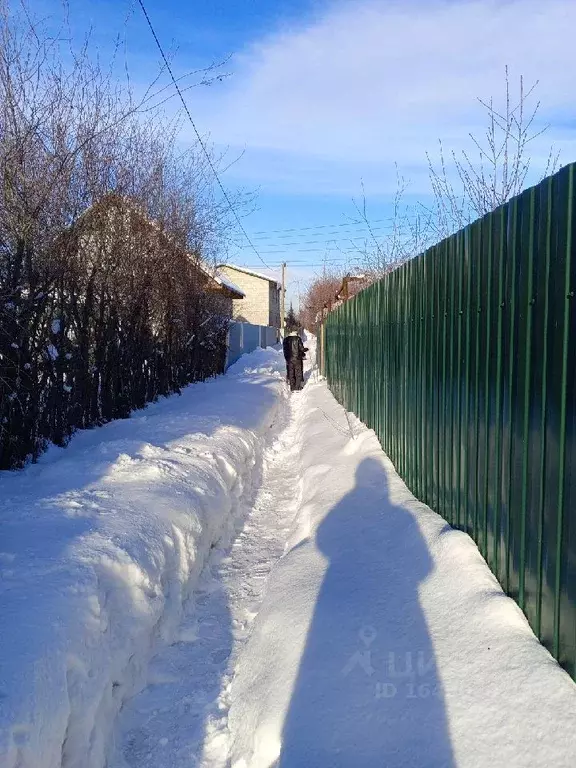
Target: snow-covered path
x=239 y=579
x=348 y=626
x=181 y=718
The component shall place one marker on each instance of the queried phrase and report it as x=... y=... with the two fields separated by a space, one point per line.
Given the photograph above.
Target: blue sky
x=327 y=95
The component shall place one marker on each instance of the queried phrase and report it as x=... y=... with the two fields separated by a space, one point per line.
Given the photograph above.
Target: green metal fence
x=463 y=361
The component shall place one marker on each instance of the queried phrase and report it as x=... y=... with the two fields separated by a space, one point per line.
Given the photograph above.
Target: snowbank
x=383 y=638
x=100 y=545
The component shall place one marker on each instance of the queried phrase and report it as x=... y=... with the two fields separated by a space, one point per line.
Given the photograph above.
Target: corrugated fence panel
x=568 y=579
x=245 y=337
x=463 y=360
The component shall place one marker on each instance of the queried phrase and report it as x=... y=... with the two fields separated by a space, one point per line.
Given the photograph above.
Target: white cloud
x=373 y=83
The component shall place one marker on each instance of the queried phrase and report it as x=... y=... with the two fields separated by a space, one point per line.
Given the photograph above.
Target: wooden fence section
x=463 y=361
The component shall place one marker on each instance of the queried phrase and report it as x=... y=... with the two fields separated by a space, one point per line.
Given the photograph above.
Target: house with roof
x=225 y=293
x=133 y=228
x=260 y=304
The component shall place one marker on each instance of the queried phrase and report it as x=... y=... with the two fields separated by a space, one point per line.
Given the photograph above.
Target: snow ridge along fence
x=463 y=360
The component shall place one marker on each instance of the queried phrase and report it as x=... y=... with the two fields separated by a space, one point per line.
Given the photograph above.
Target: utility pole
x=283 y=299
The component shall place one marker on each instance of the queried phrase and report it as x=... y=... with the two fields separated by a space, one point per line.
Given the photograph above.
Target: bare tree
x=468 y=185
x=407 y=235
x=464 y=186
x=319 y=298
x=105 y=228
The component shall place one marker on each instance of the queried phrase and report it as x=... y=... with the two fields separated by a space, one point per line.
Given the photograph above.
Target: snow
x=383 y=637
x=249 y=272
x=56 y=326
x=52 y=352
x=101 y=544
x=181 y=717
x=223 y=280
x=245 y=576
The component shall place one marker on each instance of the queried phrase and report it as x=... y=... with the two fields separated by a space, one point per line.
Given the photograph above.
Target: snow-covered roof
x=225 y=281
x=249 y=272
x=221 y=280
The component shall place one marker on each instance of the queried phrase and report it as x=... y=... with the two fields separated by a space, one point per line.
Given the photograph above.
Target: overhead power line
x=366 y=236
x=309 y=250
x=321 y=226
x=382 y=232
x=344 y=257
x=199 y=138
x=341 y=233
x=319 y=265
x=296 y=264
x=307 y=260
x=337 y=264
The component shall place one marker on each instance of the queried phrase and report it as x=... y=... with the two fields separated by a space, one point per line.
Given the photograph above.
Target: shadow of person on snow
x=368 y=691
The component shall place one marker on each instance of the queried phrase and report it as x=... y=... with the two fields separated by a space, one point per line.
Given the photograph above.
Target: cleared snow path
x=349 y=626
x=383 y=638
x=235 y=579
x=180 y=719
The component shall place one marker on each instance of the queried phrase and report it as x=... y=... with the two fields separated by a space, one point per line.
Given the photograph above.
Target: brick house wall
x=261 y=304
x=274 y=305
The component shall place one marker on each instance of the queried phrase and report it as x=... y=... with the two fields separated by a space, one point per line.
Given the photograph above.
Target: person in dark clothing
x=294 y=354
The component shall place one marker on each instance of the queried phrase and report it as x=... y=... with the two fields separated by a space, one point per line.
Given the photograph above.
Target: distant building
x=351 y=286
x=261 y=302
